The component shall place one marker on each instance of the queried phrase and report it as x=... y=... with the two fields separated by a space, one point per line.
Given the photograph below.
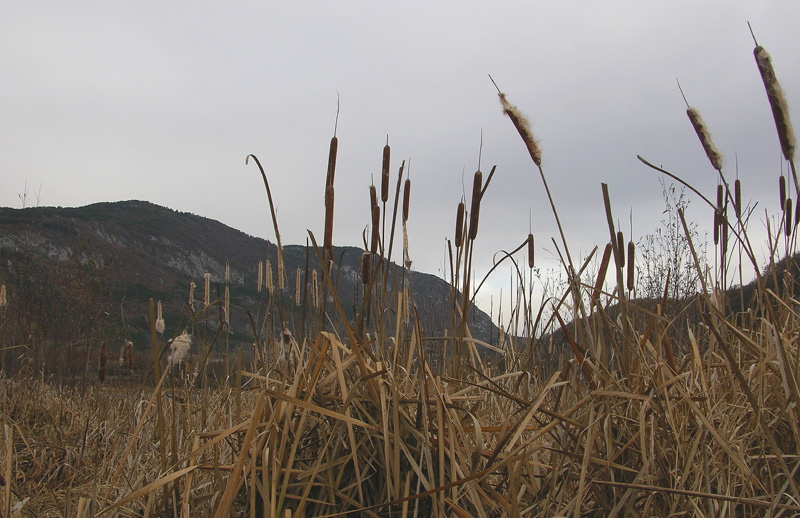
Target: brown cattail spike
x=704 y=135
x=530 y=251
x=332 y=161
x=797 y=215
x=737 y=197
x=460 y=225
x=365 y=267
x=782 y=190
x=621 y=248
x=385 y=174
x=406 y=198
x=777 y=101
x=720 y=197
x=475 y=208
x=328 y=242
x=373 y=197
x=716 y=226
x=630 y=265
x=787 y=211
x=376 y=222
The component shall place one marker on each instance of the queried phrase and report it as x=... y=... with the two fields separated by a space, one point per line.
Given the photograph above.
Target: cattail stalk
x=714 y=156
x=777 y=101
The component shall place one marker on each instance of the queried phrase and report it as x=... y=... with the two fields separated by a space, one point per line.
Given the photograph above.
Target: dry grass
x=355 y=418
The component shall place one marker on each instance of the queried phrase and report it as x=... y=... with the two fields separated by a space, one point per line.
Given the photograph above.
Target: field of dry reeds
x=648 y=413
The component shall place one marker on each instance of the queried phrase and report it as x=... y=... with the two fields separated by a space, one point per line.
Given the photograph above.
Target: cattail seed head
x=782 y=190
x=227 y=304
x=777 y=101
x=376 y=222
x=328 y=242
x=179 y=348
x=460 y=224
x=314 y=289
x=101 y=368
x=723 y=223
x=227 y=272
x=121 y=358
x=716 y=226
x=159 y=320
x=207 y=290
x=737 y=197
x=475 y=208
x=406 y=198
x=720 y=197
x=704 y=135
x=631 y=262
x=332 y=161
x=191 y=295
x=385 y=174
x=297 y=278
x=621 y=248
x=260 y=275
x=281 y=273
x=3 y=300
x=530 y=251
x=523 y=128
x=129 y=350
x=365 y=267
x=373 y=197
x=268 y=283
x=797 y=215
x=787 y=212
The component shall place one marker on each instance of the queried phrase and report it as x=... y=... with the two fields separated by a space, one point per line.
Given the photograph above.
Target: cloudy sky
x=162 y=101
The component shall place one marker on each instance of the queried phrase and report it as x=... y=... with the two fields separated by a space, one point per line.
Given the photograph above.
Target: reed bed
x=369 y=416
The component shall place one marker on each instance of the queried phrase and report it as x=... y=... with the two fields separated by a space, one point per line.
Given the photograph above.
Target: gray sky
x=162 y=101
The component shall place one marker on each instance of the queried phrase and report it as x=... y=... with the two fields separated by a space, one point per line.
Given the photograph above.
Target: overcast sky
x=162 y=101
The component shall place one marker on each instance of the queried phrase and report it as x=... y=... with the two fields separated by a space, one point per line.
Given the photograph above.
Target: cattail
x=631 y=251
x=159 y=320
x=716 y=226
x=207 y=290
x=121 y=358
x=314 y=289
x=365 y=267
x=797 y=215
x=385 y=174
x=530 y=251
x=3 y=300
x=737 y=197
x=475 y=208
x=297 y=278
x=332 y=161
x=268 y=277
x=782 y=190
x=328 y=243
x=373 y=197
x=281 y=273
x=227 y=304
x=723 y=221
x=523 y=128
x=720 y=197
x=227 y=272
x=621 y=248
x=777 y=101
x=376 y=221
x=406 y=198
x=704 y=135
x=406 y=257
x=460 y=224
x=787 y=212
x=179 y=347
x=101 y=368
x=129 y=350
x=191 y=295
x=260 y=275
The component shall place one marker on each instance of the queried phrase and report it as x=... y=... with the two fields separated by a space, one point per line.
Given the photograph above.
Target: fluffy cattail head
x=460 y=224
x=777 y=101
x=101 y=368
x=704 y=135
x=179 y=348
x=227 y=304
x=406 y=198
x=385 y=174
x=523 y=128
x=191 y=295
x=475 y=208
x=268 y=277
x=159 y=320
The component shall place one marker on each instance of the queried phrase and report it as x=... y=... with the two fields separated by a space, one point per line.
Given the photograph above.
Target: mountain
x=87 y=273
